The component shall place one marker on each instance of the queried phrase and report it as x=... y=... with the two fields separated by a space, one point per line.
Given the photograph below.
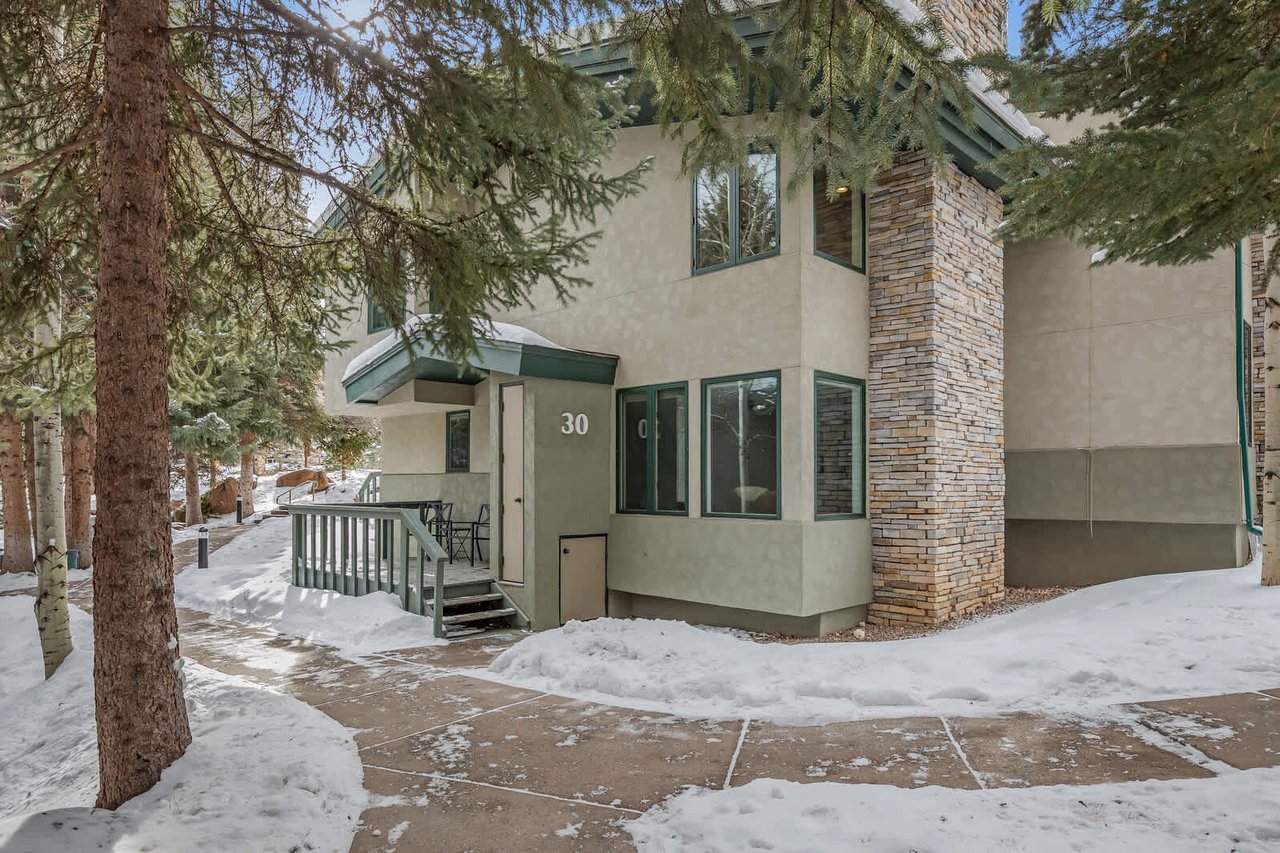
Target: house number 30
x=574 y=424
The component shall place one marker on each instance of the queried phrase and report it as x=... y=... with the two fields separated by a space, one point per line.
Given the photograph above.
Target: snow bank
x=248 y=581
x=264 y=771
x=1235 y=812
x=1147 y=638
x=14 y=581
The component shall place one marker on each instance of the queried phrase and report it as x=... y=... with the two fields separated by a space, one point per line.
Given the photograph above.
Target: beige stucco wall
x=793 y=312
x=1117 y=355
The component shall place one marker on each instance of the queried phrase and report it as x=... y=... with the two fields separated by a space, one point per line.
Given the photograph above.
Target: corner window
x=740 y=461
x=839 y=223
x=457 y=441
x=653 y=449
x=735 y=213
x=839 y=447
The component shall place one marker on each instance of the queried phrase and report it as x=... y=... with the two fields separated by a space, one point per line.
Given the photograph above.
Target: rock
x=859 y=633
x=222 y=500
x=306 y=475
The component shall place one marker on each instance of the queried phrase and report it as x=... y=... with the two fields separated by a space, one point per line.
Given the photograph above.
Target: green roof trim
x=400 y=366
x=971 y=144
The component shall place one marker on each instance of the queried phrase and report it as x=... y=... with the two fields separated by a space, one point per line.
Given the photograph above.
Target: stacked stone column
x=935 y=393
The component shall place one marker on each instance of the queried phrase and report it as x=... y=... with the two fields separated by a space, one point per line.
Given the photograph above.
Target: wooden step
x=472 y=599
x=479 y=616
x=463 y=631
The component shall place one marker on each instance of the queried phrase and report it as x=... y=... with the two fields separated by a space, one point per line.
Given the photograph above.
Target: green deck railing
x=370 y=489
x=356 y=549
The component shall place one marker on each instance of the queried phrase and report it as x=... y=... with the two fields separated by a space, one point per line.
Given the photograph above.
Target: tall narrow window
x=653 y=449
x=740 y=422
x=839 y=223
x=457 y=442
x=839 y=447
x=735 y=213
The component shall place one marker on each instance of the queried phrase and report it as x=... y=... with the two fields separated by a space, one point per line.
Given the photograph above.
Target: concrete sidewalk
x=456 y=762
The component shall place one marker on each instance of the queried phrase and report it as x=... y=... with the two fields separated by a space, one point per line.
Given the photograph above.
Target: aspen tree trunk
x=213 y=472
x=194 y=515
x=52 y=619
x=246 y=474
x=29 y=460
x=78 y=441
x=138 y=691
x=1271 y=448
x=19 y=553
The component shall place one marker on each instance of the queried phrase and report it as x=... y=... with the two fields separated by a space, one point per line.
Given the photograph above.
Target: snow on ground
x=248 y=581
x=1146 y=638
x=264 y=772
x=10 y=582
x=1234 y=812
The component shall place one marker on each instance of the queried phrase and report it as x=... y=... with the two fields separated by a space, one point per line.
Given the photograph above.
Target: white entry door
x=512 y=528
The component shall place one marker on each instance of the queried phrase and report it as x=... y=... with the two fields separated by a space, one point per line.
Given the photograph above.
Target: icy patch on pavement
x=1234 y=812
x=248 y=581
x=1148 y=638
x=264 y=771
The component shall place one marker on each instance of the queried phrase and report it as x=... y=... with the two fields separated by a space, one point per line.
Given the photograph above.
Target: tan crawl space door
x=582 y=577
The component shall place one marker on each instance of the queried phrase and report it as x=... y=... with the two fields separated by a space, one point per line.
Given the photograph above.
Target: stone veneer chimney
x=935 y=461
x=976 y=26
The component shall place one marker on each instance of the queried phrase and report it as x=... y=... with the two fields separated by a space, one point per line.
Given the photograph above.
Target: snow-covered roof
x=488 y=331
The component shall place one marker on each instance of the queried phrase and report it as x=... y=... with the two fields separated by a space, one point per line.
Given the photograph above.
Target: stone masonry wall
x=976 y=26
x=935 y=393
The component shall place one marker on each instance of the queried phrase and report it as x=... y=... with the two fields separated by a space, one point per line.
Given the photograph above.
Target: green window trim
x=704 y=420
x=376 y=320
x=735 y=248
x=449 y=418
x=861 y=265
x=821 y=376
x=651 y=450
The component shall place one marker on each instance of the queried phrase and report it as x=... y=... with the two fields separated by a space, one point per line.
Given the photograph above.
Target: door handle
x=517 y=500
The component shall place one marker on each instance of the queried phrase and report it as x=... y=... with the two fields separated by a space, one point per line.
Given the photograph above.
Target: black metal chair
x=466 y=536
x=440 y=522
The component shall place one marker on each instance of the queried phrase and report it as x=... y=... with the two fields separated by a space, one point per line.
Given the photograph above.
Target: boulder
x=306 y=475
x=222 y=500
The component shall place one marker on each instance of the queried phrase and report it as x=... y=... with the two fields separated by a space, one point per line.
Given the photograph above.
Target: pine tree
x=1185 y=162
x=189 y=121
x=344 y=442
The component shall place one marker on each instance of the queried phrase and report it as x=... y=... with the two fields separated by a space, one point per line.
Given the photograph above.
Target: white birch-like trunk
x=1271 y=452
x=52 y=618
x=246 y=483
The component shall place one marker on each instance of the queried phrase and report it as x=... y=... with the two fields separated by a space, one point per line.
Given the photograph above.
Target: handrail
x=371 y=488
x=309 y=485
x=356 y=549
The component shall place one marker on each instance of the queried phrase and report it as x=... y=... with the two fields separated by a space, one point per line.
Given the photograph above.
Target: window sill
x=742 y=515
x=841 y=516
x=731 y=264
x=840 y=262
x=674 y=513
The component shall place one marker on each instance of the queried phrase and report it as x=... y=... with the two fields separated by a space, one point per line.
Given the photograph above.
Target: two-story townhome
x=790 y=413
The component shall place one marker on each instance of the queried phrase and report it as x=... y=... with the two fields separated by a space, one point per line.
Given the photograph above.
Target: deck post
x=437 y=601
x=404 y=566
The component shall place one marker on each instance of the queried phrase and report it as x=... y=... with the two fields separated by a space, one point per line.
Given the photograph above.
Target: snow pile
x=1235 y=812
x=264 y=771
x=249 y=581
x=14 y=581
x=1146 y=638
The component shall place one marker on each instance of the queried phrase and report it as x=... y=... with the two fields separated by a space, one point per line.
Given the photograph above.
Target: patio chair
x=440 y=521
x=466 y=536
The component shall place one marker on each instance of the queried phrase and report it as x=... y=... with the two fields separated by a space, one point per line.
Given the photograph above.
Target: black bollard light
x=202 y=549
x=239 y=509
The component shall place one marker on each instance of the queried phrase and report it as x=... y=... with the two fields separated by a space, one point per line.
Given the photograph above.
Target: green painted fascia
x=1242 y=347
x=398 y=367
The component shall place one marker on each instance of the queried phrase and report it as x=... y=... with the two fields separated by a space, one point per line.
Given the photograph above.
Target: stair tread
x=473 y=599
x=464 y=631
x=455 y=618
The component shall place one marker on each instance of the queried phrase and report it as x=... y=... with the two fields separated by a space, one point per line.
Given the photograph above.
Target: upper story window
x=839 y=223
x=736 y=213
x=377 y=318
x=457 y=440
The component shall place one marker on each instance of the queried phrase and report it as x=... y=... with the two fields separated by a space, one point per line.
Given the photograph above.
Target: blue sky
x=1015 y=24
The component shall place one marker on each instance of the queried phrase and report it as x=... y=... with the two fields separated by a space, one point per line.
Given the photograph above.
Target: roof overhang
x=416 y=360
